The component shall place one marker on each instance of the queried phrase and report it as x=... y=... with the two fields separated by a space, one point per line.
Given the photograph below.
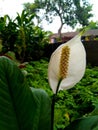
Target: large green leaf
x=21 y=107
x=43 y=112
x=85 y=123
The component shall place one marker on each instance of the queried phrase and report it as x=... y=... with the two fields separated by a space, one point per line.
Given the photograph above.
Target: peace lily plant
x=66 y=67
x=23 y=107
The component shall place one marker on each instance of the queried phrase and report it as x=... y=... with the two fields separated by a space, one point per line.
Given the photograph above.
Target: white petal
x=76 y=68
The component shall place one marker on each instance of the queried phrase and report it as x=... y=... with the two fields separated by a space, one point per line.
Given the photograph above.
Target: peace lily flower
x=67 y=65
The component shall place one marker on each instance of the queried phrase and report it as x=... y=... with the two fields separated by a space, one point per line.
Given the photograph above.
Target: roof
x=67 y=34
x=92 y=32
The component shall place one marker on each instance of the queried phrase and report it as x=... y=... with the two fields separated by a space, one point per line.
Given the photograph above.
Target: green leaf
x=21 y=108
x=86 y=123
x=43 y=113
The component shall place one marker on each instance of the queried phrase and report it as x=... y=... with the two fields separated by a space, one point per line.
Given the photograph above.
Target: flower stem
x=53 y=105
x=58 y=86
x=52 y=111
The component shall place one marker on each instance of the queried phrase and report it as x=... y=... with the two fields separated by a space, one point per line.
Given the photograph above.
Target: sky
x=11 y=7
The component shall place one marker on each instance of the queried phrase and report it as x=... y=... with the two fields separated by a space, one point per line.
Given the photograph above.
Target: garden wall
x=91 y=52
x=91 y=48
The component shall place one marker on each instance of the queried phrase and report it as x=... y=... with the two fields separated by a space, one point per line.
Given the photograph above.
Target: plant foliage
x=21 y=107
x=22 y=37
x=72 y=104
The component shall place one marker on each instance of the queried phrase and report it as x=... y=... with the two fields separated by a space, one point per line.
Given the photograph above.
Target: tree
x=33 y=8
x=83 y=12
x=70 y=12
x=93 y=25
x=24 y=25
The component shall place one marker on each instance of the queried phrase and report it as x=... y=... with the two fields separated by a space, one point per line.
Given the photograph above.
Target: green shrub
x=23 y=37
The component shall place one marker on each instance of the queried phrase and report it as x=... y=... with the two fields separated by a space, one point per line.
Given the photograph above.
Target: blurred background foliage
x=22 y=37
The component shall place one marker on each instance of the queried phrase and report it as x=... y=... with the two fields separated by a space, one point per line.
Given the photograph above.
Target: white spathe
x=76 y=65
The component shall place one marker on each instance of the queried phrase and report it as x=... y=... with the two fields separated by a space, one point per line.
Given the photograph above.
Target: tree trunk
x=59 y=31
